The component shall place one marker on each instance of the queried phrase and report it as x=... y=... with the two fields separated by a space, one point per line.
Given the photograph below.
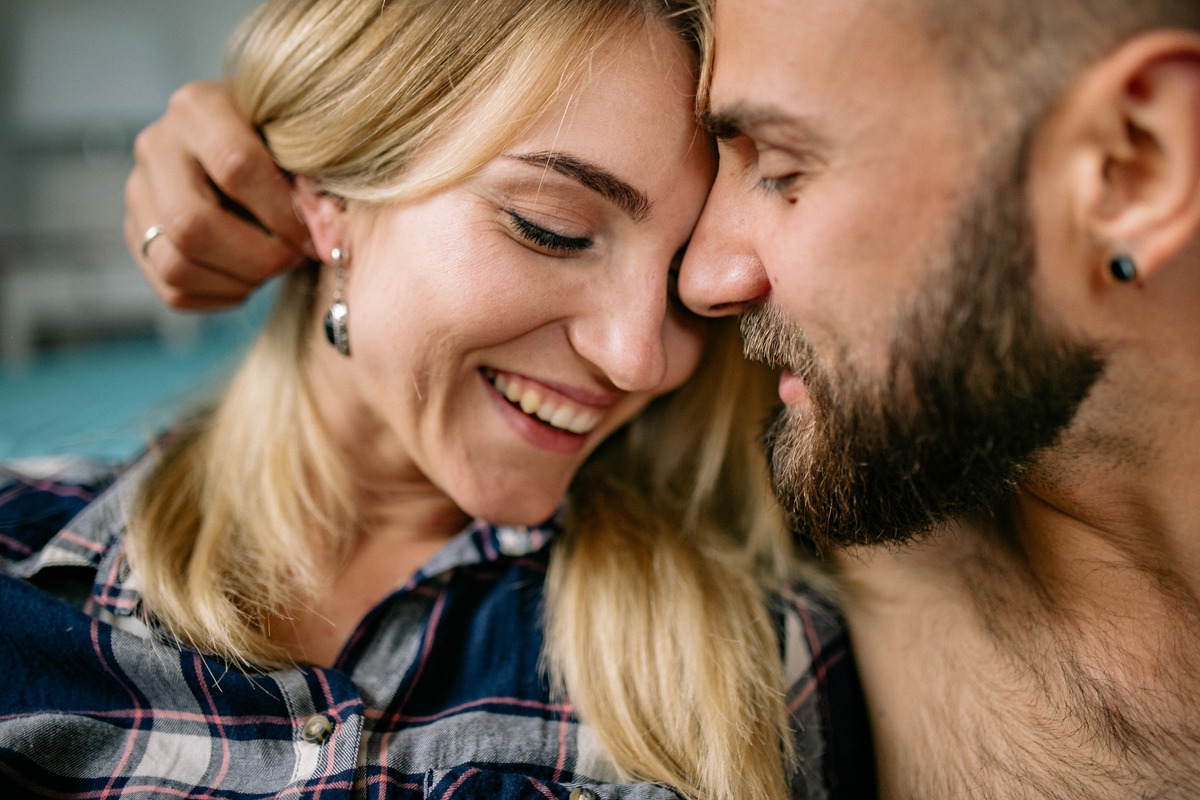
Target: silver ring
x=152 y=233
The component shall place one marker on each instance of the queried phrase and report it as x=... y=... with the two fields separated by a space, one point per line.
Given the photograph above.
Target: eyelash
x=764 y=184
x=547 y=239
x=776 y=185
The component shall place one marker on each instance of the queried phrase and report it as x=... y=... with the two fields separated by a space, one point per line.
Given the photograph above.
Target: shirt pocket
x=469 y=782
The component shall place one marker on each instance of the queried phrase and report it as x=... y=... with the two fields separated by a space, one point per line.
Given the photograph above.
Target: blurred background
x=90 y=361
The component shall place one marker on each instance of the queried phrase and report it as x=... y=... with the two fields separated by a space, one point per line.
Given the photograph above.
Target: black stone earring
x=1123 y=267
x=337 y=325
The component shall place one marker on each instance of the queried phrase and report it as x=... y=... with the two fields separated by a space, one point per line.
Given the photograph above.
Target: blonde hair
x=657 y=623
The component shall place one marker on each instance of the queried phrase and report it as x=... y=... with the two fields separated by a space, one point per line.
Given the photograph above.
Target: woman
x=340 y=577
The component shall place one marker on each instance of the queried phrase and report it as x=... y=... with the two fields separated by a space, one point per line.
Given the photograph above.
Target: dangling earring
x=1123 y=267
x=336 y=318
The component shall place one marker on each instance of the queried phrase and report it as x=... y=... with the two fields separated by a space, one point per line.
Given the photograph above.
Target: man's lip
x=792 y=390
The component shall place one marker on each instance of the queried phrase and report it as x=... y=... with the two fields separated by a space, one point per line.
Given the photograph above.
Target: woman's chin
x=526 y=512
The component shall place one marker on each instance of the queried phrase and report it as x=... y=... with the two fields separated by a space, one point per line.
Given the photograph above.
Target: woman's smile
x=528 y=425
x=547 y=405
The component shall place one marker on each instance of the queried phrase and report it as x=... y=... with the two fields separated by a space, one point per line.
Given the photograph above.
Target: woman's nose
x=620 y=330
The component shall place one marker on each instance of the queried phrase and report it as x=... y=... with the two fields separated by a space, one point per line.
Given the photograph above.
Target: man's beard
x=976 y=385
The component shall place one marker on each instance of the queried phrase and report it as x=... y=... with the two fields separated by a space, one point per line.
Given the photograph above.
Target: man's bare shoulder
x=979 y=686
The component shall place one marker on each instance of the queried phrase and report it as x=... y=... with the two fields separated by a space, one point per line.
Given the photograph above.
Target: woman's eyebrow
x=632 y=201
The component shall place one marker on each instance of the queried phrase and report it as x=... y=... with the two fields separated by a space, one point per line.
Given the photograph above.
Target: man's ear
x=1138 y=187
x=323 y=213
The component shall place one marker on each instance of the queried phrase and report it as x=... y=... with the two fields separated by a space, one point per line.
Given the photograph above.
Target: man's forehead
x=778 y=60
x=779 y=22
x=763 y=40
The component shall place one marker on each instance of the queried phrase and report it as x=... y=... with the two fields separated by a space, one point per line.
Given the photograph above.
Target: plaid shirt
x=437 y=695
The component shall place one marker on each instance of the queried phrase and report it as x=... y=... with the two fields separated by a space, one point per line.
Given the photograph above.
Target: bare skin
x=980 y=685
x=380 y=563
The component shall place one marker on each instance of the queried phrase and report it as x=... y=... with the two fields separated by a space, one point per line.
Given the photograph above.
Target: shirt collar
x=481 y=542
x=95 y=539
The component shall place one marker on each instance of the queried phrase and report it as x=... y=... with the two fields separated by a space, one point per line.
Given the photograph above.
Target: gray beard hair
x=977 y=384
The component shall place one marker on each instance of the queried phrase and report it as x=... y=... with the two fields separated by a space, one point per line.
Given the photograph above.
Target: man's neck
x=1042 y=657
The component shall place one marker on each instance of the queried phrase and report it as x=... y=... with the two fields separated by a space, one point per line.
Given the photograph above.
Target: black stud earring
x=337 y=325
x=1123 y=267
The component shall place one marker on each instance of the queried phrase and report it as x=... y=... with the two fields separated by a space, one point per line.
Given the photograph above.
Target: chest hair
x=994 y=691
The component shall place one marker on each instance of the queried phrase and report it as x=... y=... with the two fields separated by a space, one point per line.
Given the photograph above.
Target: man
x=969 y=233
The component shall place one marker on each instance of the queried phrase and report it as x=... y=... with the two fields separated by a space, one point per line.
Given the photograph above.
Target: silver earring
x=1123 y=267
x=337 y=329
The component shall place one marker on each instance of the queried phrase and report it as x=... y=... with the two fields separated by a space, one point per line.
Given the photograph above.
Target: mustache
x=770 y=336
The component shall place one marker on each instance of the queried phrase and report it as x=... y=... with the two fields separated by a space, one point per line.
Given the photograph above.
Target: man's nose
x=721 y=273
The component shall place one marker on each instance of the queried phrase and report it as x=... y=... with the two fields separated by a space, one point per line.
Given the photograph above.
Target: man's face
x=884 y=253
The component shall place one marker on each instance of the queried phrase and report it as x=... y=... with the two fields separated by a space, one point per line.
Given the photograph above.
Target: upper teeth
x=555 y=411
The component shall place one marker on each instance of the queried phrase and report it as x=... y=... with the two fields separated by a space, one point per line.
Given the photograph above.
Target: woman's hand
x=203 y=177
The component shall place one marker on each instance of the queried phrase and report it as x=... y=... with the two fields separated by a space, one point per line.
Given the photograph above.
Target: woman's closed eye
x=545 y=240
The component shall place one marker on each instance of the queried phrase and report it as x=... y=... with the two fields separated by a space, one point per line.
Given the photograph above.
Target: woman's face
x=502 y=328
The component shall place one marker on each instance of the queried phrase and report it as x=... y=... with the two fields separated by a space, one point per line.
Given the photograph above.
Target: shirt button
x=317 y=729
x=583 y=794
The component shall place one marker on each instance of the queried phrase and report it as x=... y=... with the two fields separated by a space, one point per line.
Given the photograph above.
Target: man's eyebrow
x=732 y=121
x=722 y=125
x=632 y=201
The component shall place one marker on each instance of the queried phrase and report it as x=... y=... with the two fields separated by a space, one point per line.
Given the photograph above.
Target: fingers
x=182 y=282
x=235 y=159
x=193 y=167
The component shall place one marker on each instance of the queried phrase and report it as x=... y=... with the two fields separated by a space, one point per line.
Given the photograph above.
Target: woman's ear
x=323 y=213
x=1143 y=191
